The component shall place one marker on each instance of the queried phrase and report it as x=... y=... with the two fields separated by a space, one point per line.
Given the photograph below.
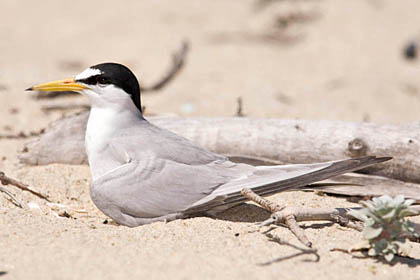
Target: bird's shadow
x=245 y=213
x=409 y=261
x=249 y=213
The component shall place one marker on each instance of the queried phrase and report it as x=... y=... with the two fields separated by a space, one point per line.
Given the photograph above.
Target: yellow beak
x=61 y=85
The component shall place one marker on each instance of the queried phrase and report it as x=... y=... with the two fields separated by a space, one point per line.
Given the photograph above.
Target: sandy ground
x=342 y=62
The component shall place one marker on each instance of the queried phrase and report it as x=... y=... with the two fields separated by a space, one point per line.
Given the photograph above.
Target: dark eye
x=103 y=80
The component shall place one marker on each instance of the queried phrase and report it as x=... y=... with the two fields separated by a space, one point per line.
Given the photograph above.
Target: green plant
x=385 y=230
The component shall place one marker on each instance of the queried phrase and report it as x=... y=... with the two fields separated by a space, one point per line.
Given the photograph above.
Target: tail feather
x=335 y=169
x=233 y=197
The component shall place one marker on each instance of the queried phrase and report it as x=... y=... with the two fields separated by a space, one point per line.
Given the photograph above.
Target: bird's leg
x=263 y=202
x=280 y=214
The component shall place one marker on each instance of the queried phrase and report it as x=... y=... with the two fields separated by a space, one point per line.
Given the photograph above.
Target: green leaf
x=408 y=202
x=403 y=246
x=384 y=200
x=406 y=212
x=389 y=257
x=380 y=245
x=372 y=252
x=371 y=232
x=359 y=214
x=368 y=205
x=399 y=199
x=390 y=215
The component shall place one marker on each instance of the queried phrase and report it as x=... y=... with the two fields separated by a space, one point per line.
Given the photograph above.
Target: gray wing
x=268 y=180
x=167 y=175
x=155 y=187
x=145 y=136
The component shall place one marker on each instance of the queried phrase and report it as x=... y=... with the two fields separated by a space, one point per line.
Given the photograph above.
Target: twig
x=64 y=106
x=7 y=180
x=346 y=222
x=22 y=135
x=52 y=94
x=336 y=249
x=12 y=197
x=239 y=112
x=178 y=61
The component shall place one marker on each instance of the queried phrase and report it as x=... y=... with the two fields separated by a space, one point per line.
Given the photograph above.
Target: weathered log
x=367 y=186
x=288 y=141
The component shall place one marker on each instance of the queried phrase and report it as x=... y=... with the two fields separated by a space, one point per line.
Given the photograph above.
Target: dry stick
x=291 y=215
x=22 y=135
x=7 y=180
x=64 y=106
x=178 y=61
x=239 y=108
x=53 y=94
x=301 y=141
x=12 y=197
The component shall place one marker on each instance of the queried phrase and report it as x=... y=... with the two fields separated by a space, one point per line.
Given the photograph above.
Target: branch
x=21 y=135
x=12 y=197
x=287 y=141
x=361 y=186
x=178 y=61
x=65 y=106
x=7 y=180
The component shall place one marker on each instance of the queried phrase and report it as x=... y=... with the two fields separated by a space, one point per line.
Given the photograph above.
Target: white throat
x=110 y=114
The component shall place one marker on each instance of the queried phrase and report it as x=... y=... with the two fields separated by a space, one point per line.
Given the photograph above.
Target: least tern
x=142 y=173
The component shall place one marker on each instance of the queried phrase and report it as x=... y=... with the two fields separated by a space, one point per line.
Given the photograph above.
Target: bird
x=142 y=173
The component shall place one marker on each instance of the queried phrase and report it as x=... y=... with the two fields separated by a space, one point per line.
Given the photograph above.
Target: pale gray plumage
x=142 y=173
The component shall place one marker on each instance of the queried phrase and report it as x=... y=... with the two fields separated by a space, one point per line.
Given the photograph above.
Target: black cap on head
x=118 y=75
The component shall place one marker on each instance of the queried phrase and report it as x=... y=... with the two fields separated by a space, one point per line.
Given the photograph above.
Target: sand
x=343 y=62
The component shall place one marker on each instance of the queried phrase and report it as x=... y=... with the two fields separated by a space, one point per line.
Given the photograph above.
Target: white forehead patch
x=88 y=73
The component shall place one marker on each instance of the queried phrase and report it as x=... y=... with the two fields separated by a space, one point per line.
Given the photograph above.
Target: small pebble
x=188 y=108
x=33 y=205
x=13 y=111
x=410 y=51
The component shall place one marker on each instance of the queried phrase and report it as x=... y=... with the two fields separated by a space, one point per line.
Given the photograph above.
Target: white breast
x=102 y=126
x=112 y=111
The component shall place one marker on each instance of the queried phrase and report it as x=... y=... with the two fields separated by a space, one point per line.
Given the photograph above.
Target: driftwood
x=361 y=186
x=286 y=141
